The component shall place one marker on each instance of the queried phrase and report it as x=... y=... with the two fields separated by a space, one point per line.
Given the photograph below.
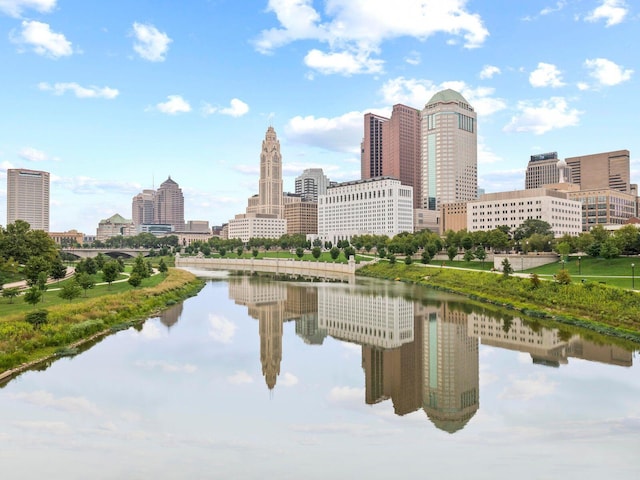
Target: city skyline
x=110 y=98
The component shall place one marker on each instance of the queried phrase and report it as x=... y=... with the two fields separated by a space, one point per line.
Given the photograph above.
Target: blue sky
x=113 y=97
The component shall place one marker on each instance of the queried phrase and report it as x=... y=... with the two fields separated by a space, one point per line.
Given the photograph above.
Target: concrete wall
x=524 y=262
x=287 y=266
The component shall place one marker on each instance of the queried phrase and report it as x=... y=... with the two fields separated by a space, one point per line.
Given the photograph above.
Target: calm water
x=254 y=379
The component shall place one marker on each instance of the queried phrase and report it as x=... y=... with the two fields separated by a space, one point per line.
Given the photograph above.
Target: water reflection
x=419 y=350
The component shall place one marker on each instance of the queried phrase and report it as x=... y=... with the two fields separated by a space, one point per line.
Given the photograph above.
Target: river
x=255 y=378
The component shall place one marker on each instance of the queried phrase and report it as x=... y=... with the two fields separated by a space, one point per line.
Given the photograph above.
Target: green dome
x=447 y=96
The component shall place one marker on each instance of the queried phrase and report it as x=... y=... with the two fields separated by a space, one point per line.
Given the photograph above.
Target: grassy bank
x=71 y=323
x=600 y=308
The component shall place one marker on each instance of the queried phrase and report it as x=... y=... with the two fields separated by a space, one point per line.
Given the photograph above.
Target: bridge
x=109 y=252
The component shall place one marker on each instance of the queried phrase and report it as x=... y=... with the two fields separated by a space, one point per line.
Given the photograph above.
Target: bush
x=37 y=318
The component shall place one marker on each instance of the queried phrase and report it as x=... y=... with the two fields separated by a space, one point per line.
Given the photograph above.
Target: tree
x=535 y=280
x=481 y=255
x=110 y=272
x=563 y=248
x=100 y=260
x=42 y=281
x=316 y=252
x=37 y=318
x=335 y=253
x=563 y=277
x=317 y=242
x=222 y=251
x=135 y=280
x=609 y=249
x=70 y=291
x=507 y=269
x=349 y=251
x=392 y=259
x=34 y=266
x=299 y=252
x=426 y=258
x=140 y=267
x=85 y=281
x=162 y=267
x=381 y=252
x=33 y=295
x=58 y=270
x=239 y=251
x=90 y=266
x=468 y=256
x=10 y=293
x=531 y=226
x=408 y=260
x=452 y=251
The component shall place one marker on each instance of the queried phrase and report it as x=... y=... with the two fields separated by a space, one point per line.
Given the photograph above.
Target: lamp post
x=579 y=266
x=633 y=276
x=563 y=264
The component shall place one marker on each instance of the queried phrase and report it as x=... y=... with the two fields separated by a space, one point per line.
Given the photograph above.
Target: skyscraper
x=168 y=207
x=371 y=154
x=142 y=208
x=311 y=183
x=28 y=197
x=608 y=170
x=449 y=150
x=546 y=169
x=269 y=199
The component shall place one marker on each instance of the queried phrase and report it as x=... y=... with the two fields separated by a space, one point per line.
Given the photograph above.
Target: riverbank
x=71 y=325
x=600 y=308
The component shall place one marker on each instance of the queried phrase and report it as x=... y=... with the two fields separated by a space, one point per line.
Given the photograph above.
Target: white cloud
x=252 y=170
x=528 y=388
x=346 y=395
x=341 y=134
x=606 y=72
x=548 y=115
x=612 y=11
x=167 y=367
x=34 y=155
x=151 y=44
x=488 y=71
x=288 y=380
x=14 y=8
x=345 y=63
x=87 y=185
x=221 y=329
x=240 y=378
x=67 y=404
x=413 y=58
x=237 y=108
x=546 y=75
x=417 y=93
x=56 y=428
x=45 y=42
x=485 y=155
x=558 y=6
x=81 y=92
x=354 y=29
x=174 y=104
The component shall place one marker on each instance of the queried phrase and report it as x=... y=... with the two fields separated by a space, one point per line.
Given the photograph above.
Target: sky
x=115 y=97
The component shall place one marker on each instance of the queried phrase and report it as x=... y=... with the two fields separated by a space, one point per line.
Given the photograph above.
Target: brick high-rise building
x=608 y=170
x=142 y=207
x=28 y=197
x=371 y=149
x=449 y=150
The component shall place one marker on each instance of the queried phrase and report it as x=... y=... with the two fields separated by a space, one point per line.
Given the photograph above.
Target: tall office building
x=168 y=207
x=371 y=149
x=270 y=186
x=401 y=149
x=28 y=197
x=545 y=169
x=391 y=148
x=449 y=150
x=142 y=208
x=608 y=170
x=311 y=183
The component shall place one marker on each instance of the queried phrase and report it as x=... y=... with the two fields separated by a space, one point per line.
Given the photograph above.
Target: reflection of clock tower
x=451 y=379
x=270 y=328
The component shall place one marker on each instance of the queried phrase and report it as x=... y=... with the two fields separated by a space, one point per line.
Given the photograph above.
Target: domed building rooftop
x=447 y=96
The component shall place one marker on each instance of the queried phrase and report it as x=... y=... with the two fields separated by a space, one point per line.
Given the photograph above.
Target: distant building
x=602 y=171
x=142 y=207
x=311 y=183
x=514 y=207
x=604 y=207
x=258 y=225
x=424 y=218
x=302 y=217
x=155 y=229
x=449 y=150
x=114 y=226
x=453 y=216
x=371 y=148
x=269 y=200
x=378 y=206
x=28 y=197
x=545 y=169
x=197 y=226
x=67 y=239
x=169 y=205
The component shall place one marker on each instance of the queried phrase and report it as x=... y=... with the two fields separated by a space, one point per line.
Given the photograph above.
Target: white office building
x=512 y=208
x=245 y=226
x=376 y=206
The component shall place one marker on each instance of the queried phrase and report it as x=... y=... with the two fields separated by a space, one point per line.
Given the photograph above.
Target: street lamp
x=579 y=266
x=633 y=276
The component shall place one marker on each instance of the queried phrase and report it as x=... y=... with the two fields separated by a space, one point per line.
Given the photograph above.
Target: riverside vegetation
x=71 y=324
x=608 y=310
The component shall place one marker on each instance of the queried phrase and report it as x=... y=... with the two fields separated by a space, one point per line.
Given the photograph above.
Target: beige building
x=70 y=238
x=269 y=200
x=245 y=226
x=301 y=217
x=544 y=169
x=142 y=207
x=424 y=218
x=169 y=205
x=512 y=208
x=114 y=226
x=604 y=207
x=601 y=171
x=449 y=150
x=453 y=216
x=28 y=197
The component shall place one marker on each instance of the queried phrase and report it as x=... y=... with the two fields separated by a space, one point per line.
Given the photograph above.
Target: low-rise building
x=512 y=208
x=67 y=239
x=114 y=226
x=604 y=207
x=246 y=226
x=376 y=206
x=302 y=217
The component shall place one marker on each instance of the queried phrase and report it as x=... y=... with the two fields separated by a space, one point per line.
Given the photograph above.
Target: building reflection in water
x=171 y=315
x=420 y=354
